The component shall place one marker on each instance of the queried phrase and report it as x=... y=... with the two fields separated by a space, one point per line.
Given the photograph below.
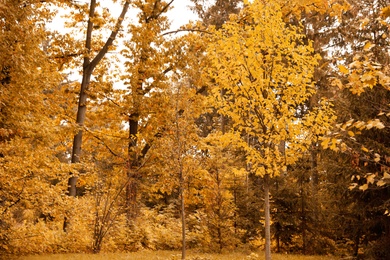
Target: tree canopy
x=262 y=125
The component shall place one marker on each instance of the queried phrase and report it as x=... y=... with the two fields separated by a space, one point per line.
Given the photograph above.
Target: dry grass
x=172 y=255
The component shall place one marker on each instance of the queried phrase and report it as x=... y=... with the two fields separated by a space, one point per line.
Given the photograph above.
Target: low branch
x=103 y=143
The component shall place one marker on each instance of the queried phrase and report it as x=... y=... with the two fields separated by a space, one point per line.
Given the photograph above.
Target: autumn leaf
x=368 y=46
x=385 y=12
x=363 y=187
x=344 y=70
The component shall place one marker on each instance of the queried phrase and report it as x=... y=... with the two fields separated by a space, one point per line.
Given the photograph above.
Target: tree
x=89 y=65
x=266 y=71
x=182 y=142
x=32 y=108
x=149 y=58
x=362 y=102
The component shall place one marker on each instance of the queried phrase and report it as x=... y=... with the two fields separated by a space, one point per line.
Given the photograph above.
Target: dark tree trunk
x=132 y=171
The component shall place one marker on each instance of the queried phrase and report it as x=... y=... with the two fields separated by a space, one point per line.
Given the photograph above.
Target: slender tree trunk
x=314 y=166
x=80 y=119
x=223 y=118
x=303 y=216
x=183 y=218
x=181 y=178
x=356 y=244
x=267 y=218
x=88 y=68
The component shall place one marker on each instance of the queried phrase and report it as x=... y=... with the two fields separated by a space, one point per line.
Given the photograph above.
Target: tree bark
x=267 y=218
x=132 y=171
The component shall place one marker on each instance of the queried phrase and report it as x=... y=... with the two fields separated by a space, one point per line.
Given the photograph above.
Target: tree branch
x=185 y=30
x=112 y=37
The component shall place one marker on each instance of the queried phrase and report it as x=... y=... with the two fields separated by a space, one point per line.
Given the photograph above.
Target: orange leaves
x=344 y=70
x=385 y=12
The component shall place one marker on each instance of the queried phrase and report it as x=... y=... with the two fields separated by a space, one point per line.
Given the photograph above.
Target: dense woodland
x=263 y=125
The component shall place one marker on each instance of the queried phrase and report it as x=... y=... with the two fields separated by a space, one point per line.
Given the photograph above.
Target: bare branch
x=185 y=30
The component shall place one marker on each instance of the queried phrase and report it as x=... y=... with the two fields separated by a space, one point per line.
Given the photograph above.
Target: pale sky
x=179 y=15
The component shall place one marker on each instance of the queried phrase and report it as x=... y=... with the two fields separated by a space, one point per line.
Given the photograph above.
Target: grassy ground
x=172 y=255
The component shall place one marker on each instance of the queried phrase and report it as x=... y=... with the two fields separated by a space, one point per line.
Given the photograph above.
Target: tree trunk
x=132 y=171
x=183 y=220
x=80 y=119
x=267 y=218
x=131 y=195
x=303 y=222
x=82 y=106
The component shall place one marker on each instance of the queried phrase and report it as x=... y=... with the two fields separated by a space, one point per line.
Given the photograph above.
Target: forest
x=262 y=125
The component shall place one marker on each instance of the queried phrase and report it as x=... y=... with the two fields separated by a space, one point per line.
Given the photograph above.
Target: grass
x=171 y=255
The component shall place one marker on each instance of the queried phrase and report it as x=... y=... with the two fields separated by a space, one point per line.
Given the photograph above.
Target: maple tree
x=180 y=160
x=266 y=72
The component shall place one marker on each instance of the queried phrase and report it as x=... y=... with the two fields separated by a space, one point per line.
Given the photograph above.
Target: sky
x=179 y=15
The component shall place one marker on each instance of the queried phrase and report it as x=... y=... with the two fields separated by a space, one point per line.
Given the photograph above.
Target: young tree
x=266 y=71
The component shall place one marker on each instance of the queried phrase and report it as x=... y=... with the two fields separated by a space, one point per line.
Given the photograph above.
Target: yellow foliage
x=343 y=69
x=266 y=72
x=385 y=12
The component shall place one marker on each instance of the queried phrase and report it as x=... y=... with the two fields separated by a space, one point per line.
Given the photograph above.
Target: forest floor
x=171 y=255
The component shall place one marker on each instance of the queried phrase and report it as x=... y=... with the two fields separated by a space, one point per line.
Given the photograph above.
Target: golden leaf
x=352 y=186
x=368 y=46
x=343 y=69
x=365 y=21
x=363 y=187
x=385 y=12
x=371 y=178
